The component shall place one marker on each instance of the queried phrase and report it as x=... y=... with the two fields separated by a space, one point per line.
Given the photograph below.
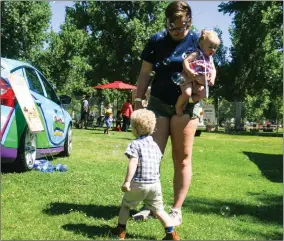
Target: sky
x=204 y=15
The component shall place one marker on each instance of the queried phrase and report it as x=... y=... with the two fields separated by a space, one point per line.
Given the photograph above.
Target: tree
x=65 y=60
x=256 y=67
x=118 y=31
x=221 y=64
x=23 y=28
x=256 y=105
x=257 y=47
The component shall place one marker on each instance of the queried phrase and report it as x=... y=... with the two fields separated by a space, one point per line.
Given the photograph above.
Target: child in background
x=142 y=181
x=118 y=121
x=108 y=118
x=198 y=63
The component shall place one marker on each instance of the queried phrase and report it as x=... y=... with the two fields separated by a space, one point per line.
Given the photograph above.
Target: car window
x=49 y=90
x=19 y=72
x=34 y=81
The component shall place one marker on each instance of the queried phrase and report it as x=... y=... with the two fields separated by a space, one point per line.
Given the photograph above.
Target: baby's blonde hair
x=143 y=122
x=210 y=35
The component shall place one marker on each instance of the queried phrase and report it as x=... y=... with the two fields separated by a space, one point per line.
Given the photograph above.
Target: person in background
x=142 y=181
x=118 y=121
x=84 y=111
x=108 y=118
x=126 y=111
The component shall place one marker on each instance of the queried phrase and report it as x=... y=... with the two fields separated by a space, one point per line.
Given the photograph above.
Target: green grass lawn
x=241 y=172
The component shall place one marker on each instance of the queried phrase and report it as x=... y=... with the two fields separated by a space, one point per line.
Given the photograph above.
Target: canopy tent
x=119 y=85
x=116 y=85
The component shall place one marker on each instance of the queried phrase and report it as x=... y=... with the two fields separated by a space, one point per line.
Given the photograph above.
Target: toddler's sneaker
x=120 y=232
x=172 y=236
x=176 y=216
x=142 y=215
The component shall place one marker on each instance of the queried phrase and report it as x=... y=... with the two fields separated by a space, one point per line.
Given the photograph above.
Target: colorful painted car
x=19 y=145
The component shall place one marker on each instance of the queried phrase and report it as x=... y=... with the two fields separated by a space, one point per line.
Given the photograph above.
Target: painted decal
x=58 y=126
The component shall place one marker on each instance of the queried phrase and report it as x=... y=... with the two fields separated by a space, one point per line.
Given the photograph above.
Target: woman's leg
x=161 y=133
x=182 y=135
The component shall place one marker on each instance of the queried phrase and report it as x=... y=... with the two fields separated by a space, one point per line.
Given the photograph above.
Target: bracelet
x=138 y=99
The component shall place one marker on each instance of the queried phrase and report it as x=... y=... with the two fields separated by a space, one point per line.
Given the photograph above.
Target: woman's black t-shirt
x=167 y=56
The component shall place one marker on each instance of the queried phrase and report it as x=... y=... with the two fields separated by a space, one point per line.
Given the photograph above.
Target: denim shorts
x=108 y=122
x=162 y=109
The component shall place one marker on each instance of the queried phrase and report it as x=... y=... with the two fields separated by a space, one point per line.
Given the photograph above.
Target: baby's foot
x=179 y=110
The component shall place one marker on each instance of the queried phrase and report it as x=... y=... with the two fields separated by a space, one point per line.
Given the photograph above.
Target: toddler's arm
x=213 y=74
x=132 y=166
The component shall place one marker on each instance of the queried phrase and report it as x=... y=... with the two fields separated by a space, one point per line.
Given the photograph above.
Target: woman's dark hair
x=178 y=9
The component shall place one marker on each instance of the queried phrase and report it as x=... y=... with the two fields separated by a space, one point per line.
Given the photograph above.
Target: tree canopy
x=255 y=73
x=23 y=28
x=102 y=41
x=257 y=37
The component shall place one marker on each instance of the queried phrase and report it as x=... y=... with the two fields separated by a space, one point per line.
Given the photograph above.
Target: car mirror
x=65 y=99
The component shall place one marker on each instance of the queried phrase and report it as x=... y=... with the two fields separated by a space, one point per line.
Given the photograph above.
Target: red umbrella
x=116 y=85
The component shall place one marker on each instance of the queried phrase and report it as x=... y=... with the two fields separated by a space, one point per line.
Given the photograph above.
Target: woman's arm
x=143 y=83
x=130 y=110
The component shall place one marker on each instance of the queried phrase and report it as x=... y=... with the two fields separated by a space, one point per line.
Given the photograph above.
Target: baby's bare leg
x=186 y=90
x=198 y=92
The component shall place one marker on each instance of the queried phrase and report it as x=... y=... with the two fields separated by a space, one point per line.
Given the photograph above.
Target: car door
x=51 y=111
x=57 y=118
x=37 y=91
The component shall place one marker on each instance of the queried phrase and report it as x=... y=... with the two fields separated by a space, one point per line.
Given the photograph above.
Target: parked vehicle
x=19 y=145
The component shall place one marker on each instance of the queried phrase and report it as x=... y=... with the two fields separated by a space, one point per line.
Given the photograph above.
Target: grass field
x=241 y=172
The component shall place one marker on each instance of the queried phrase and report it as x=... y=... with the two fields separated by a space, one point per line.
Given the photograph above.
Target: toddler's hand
x=210 y=82
x=125 y=187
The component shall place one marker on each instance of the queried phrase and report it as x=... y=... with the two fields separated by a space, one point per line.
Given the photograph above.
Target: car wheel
x=68 y=143
x=27 y=151
x=198 y=133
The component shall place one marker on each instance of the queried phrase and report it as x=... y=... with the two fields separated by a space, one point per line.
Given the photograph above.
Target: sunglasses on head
x=171 y=26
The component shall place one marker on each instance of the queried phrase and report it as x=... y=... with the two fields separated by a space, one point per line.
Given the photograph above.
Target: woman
x=126 y=111
x=164 y=54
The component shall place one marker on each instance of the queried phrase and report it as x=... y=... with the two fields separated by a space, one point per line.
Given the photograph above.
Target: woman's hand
x=125 y=187
x=138 y=105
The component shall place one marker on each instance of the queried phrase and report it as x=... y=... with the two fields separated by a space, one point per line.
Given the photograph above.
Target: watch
x=138 y=99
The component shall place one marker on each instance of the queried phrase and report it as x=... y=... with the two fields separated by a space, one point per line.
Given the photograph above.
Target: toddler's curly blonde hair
x=143 y=122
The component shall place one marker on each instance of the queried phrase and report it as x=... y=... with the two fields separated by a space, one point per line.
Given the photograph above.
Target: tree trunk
x=238 y=115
